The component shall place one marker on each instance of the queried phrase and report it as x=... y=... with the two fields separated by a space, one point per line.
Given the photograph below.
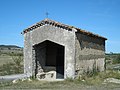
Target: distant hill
x=10 y=47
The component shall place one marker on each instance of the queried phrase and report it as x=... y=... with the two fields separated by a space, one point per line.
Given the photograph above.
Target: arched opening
x=49 y=57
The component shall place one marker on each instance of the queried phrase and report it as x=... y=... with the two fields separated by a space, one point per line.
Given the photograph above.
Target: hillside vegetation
x=113 y=61
x=9 y=46
x=11 y=59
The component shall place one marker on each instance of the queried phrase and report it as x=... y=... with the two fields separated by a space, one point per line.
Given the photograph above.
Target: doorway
x=50 y=57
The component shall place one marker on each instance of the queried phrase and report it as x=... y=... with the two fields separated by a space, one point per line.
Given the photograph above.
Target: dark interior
x=51 y=54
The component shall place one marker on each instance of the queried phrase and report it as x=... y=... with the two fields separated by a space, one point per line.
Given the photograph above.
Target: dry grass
x=61 y=85
x=5 y=59
x=11 y=63
x=95 y=82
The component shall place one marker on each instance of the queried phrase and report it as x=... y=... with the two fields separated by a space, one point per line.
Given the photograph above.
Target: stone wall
x=40 y=58
x=82 y=52
x=28 y=54
x=58 y=35
x=90 y=53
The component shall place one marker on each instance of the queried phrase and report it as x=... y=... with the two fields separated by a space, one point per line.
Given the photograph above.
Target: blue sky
x=98 y=16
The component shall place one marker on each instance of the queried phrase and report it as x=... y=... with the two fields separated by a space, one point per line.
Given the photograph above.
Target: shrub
x=116 y=60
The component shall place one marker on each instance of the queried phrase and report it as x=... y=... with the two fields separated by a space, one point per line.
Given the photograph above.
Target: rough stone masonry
x=53 y=50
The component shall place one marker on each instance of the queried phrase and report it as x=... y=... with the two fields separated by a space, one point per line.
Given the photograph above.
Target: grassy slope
x=6 y=55
x=9 y=62
x=5 y=59
x=62 y=85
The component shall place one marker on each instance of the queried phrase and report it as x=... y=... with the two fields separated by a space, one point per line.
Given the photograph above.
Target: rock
x=29 y=79
x=15 y=81
x=40 y=76
x=51 y=75
x=112 y=80
x=23 y=79
x=83 y=80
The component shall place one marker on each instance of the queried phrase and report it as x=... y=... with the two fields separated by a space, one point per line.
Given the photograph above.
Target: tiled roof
x=60 y=25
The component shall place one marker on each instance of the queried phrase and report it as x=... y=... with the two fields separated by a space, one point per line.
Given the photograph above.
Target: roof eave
x=90 y=34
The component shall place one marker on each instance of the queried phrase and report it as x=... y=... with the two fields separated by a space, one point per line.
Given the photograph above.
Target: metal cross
x=47 y=14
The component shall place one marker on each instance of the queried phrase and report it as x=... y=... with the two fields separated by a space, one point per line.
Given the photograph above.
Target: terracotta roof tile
x=60 y=25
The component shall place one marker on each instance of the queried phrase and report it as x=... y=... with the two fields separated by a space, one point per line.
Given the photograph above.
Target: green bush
x=116 y=60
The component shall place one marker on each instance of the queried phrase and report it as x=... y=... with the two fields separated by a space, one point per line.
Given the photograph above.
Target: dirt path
x=12 y=77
